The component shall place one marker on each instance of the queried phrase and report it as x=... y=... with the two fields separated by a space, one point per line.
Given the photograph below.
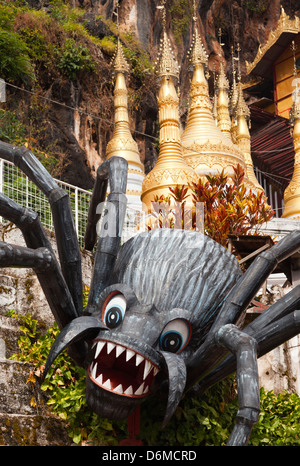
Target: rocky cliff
x=65 y=111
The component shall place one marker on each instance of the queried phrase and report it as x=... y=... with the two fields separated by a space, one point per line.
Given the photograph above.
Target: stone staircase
x=24 y=417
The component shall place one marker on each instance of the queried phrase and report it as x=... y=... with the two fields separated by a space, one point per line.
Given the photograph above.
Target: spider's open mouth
x=121 y=370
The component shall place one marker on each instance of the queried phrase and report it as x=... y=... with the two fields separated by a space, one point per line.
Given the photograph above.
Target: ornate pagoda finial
x=295 y=109
x=166 y=63
x=119 y=62
x=197 y=54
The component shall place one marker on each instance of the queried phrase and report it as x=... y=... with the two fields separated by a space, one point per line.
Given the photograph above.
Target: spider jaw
x=119 y=376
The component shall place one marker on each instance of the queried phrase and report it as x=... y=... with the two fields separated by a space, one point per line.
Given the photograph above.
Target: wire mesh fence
x=16 y=185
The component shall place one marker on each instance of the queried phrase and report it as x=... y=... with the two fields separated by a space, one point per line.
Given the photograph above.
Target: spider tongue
x=177 y=380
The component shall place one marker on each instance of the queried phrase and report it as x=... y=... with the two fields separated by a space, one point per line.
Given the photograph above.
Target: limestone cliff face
x=82 y=135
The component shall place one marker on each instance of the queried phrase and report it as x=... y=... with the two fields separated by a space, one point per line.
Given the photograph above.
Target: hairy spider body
x=164 y=309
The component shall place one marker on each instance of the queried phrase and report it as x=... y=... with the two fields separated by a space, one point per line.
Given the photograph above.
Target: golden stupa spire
x=242 y=134
x=223 y=117
x=292 y=192
x=170 y=169
x=233 y=96
x=122 y=143
x=205 y=147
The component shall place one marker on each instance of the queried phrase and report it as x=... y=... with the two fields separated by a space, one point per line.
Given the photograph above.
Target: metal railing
x=16 y=185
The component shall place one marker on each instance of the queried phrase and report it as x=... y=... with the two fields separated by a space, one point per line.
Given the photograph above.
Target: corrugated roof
x=272 y=148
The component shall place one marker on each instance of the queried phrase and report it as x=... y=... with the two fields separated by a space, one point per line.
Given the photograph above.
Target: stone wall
x=24 y=417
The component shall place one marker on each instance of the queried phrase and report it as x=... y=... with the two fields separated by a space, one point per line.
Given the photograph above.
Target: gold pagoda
x=170 y=169
x=122 y=143
x=206 y=143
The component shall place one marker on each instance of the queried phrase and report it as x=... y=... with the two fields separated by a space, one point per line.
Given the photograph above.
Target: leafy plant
x=11 y=129
x=15 y=64
x=74 y=59
x=229 y=207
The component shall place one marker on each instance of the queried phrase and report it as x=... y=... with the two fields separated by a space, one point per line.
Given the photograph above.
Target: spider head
x=166 y=290
x=126 y=361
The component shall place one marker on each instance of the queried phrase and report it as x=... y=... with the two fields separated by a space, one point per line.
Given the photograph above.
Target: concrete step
x=9 y=335
x=32 y=430
x=25 y=418
x=17 y=394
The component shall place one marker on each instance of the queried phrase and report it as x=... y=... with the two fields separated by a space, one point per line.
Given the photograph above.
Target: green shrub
x=74 y=59
x=15 y=63
x=11 y=129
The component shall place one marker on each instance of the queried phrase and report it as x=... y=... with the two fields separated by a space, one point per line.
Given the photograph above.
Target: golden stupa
x=292 y=192
x=206 y=143
x=170 y=169
x=242 y=136
x=122 y=143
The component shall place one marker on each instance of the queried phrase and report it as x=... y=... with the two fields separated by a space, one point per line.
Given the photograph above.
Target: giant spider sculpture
x=163 y=309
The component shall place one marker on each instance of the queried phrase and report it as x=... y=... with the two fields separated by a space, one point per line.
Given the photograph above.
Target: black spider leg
x=114 y=171
x=244 y=348
x=50 y=276
x=273 y=327
x=210 y=353
x=66 y=237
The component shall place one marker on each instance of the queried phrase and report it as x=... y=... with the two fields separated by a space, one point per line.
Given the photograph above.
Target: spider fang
x=121 y=370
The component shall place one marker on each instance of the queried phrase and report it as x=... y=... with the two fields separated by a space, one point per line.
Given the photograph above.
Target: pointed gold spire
x=223 y=117
x=119 y=62
x=122 y=143
x=292 y=192
x=205 y=147
x=166 y=64
x=233 y=97
x=243 y=140
x=170 y=169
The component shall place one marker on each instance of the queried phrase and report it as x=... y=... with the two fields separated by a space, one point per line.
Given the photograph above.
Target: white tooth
x=140 y=390
x=139 y=359
x=155 y=371
x=129 y=390
x=107 y=384
x=129 y=354
x=110 y=347
x=100 y=345
x=118 y=389
x=94 y=344
x=94 y=371
x=119 y=350
x=99 y=379
x=148 y=367
x=146 y=390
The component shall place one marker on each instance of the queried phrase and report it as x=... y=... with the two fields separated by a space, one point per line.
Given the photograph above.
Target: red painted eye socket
x=113 y=311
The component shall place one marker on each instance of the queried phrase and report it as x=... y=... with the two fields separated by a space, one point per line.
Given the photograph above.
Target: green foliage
x=181 y=13
x=204 y=421
x=279 y=422
x=256 y=6
x=11 y=129
x=74 y=59
x=15 y=63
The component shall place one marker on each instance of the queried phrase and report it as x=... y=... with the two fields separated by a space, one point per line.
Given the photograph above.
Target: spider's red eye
x=114 y=310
